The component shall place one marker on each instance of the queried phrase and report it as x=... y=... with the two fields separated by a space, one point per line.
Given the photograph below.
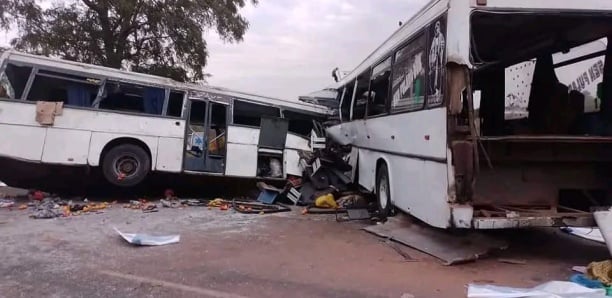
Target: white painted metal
x=250 y=136
x=66 y=146
x=169 y=155
x=421 y=133
x=242 y=161
x=583 y=5
x=22 y=142
x=23 y=113
x=462 y=216
x=292 y=162
x=417 y=187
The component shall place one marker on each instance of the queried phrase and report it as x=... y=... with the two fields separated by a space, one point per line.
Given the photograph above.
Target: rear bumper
x=488 y=223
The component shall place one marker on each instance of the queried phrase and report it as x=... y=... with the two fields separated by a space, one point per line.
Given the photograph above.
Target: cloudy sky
x=292 y=46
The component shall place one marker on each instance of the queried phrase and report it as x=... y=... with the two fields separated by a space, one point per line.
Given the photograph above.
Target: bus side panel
x=100 y=139
x=292 y=163
x=66 y=146
x=22 y=142
x=418 y=187
x=242 y=160
x=170 y=155
x=366 y=167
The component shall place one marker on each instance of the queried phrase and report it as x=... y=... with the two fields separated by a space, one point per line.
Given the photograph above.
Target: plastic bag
x=552 y=289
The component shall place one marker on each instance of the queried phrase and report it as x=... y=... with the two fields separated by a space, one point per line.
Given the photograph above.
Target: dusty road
x=226 y=254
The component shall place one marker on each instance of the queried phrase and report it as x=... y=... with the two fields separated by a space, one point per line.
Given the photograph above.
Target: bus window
x=72 y=90
x=409 y=77
x=216 y=132
x=133 y=98
x=345 y=109
x=250 y=114
x=14 y=80
x=379 y=87
x=299 y=123
x=175 y=104
x=361 y=97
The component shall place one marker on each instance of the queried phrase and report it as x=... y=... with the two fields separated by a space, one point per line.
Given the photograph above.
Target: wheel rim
x=383 y=191
x=126 y=166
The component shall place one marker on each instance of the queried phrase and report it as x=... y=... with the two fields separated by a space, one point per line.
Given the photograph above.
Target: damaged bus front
x=430 y=114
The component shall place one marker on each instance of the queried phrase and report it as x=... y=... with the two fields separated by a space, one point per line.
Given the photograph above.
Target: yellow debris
x=326 y=201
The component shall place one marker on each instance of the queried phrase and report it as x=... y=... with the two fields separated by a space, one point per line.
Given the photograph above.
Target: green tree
x=162 y=37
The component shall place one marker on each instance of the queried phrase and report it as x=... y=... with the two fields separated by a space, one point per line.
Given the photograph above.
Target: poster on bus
x=408 y=88
x=436 y=79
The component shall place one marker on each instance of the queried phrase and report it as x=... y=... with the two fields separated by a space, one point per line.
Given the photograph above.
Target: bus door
x=205 y=149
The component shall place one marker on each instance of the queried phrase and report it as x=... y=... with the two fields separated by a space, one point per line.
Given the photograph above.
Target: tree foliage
x=163 y=37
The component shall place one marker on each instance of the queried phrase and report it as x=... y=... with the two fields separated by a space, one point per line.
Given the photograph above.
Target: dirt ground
x=227 y=254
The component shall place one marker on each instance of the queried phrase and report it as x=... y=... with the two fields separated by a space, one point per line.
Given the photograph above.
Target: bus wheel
x=383 y=192
x=126 y=165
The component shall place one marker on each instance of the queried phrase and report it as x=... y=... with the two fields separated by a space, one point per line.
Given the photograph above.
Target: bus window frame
x=387 y=100
x=103 y=81
x=419 y=34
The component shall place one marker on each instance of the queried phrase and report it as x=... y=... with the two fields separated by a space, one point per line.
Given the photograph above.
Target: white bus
x=61 y=113
x=425 y=115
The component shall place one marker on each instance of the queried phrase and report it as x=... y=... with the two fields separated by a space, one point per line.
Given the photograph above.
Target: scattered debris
x=257 y=208
x=6 y=203
x=450 y=248
x=586 y=281
x=148 y=240
x=55 y=207
x=48 y=208
x=170 y=203
x=552 y=289
x=601 y=271
x=580 y=269
x=326 y=201
x=512 y=261
x=141 y=204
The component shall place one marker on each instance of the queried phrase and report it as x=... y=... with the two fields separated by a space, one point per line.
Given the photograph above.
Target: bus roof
x=435 y=8
x=152 y=80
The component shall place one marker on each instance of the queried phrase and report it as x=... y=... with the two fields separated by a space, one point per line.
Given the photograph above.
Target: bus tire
x=383 y=192
x=126 y=165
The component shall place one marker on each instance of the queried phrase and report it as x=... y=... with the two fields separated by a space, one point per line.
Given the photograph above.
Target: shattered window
x=379 y=88
x=250 y=114
x=71 y=90
x=175 y=104
x=14 y=80
x=126 y=97
x=408 y=87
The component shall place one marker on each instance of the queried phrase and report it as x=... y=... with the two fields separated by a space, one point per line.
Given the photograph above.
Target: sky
x=292 y=46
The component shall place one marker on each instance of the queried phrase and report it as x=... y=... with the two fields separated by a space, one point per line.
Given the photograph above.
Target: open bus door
x=205 y=149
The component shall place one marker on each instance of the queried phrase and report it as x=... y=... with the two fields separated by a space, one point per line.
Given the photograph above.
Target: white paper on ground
x=2 y=184
x=552 y=289
x=593 y=234
x=150 y=240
